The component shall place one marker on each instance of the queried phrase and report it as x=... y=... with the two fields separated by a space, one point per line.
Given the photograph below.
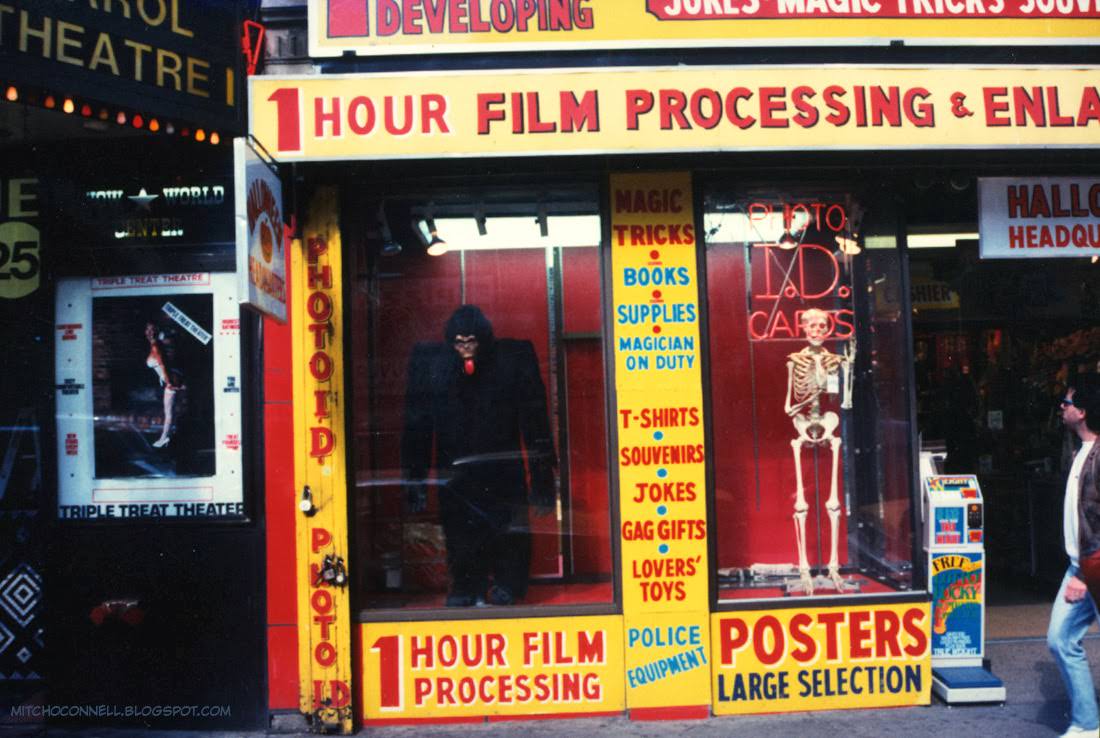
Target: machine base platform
x=960 y=684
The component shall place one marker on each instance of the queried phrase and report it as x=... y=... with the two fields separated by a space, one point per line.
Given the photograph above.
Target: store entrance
x=995 y=344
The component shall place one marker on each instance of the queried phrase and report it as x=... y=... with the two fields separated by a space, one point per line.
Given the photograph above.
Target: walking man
x=1074 y=609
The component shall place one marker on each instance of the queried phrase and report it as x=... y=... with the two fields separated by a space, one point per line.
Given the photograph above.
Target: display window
x=809 y=397
x=480 y=451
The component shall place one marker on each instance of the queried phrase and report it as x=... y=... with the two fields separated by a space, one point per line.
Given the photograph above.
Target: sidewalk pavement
x=1036 y=706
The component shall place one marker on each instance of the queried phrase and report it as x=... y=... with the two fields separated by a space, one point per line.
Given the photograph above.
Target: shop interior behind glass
x=995 y=344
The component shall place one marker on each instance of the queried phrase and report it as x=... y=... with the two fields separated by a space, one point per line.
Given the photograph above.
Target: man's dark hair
x=1086 y=396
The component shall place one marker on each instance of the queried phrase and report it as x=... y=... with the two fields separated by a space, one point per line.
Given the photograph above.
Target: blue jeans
x=1069 y=621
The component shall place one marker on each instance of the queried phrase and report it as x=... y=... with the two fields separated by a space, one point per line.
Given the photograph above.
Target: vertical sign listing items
x=324 y=616
x=661 y=452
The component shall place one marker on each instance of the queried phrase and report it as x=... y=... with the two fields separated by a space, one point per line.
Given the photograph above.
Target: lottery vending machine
x=954 y=544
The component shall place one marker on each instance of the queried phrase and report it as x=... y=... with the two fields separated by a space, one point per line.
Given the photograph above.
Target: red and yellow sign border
x=632 y=26
x=324 y=611
x=641 y=110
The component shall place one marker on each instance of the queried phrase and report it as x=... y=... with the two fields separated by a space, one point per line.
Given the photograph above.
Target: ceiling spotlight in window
x=848 y=244
x=544 y=225
x=436 y=245
x=390 y=246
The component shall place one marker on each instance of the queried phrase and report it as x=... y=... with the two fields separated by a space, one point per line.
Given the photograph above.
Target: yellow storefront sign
x=427 y=26
x=661 y=447
x=324 y=611
x=466 y=668
x=821 y=658
x=430 y=115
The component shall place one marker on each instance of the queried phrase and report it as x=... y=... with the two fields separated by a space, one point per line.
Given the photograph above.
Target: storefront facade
x=668 y=466
x=131 y=558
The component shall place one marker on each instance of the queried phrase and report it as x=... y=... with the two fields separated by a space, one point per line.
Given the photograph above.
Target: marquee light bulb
x=200 y=135
x=138 y=121
x=50 y=102
x=215 y=138
x=154 y=125
x=11 y=94
x=121 y=118
x=68 y=106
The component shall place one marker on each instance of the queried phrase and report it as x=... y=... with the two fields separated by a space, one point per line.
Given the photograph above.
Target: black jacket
x=480 y=426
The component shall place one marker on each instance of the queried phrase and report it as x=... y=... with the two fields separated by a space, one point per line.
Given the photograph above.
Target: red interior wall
x=754 y=473
x=413 y=305
x=587 y=427
x=409 y=305
x=510 y=288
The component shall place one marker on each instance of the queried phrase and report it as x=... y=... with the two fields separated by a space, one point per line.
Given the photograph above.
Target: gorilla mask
x=470 y=333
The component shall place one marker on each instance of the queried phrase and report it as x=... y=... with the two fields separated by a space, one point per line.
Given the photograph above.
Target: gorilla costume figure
x=481 y=404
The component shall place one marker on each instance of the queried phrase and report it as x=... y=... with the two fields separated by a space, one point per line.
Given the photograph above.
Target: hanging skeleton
x=812 y=372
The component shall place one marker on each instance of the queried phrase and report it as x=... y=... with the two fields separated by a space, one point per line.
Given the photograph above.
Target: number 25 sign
x=20 y=241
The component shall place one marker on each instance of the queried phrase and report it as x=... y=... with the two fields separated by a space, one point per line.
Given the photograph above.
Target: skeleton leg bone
x=832 y=506
x=801 y=509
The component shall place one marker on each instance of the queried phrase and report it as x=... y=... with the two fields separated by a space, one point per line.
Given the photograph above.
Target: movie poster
x=149 y=397
x=153 y=386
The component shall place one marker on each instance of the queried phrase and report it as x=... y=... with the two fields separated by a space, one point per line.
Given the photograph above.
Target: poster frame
x=75 y=410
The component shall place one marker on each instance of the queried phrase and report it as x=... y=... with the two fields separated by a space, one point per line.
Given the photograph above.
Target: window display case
x=809 y=396
x=479 y=413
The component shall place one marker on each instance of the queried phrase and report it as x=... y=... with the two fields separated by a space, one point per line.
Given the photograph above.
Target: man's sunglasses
x=1067 y=403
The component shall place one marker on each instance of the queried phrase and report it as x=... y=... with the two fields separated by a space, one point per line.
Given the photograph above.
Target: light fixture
x=436 y=245
x=68 y=106
x=120 y=118
x=12 y=94
x=939 y=237
x=510 y=232
x=544 y=226
x=200 y=135
x=50 y=102
x=86 y=110
x=215 y=139
x=848 y=244
x=169 y=129
x=959 y=183
x=154 y=125
x=138 y=121
x=390 y=247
